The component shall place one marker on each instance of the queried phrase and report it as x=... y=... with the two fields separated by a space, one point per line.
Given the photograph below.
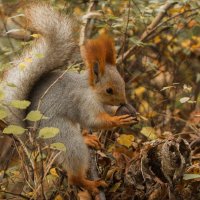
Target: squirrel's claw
x=92 y=141
x=123 y=120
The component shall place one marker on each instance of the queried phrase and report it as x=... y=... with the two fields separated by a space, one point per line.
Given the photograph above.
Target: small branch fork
x=149 y=30
x=84 y=32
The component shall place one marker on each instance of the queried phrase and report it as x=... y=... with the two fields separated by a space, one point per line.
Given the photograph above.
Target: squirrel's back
x=55 y=47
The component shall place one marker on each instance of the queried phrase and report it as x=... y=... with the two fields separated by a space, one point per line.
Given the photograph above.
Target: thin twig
x=47 y=170
x=14 y=194
x=125 y=35
x=149 y=29
x=47 y=90
x=25 y=166
x=86 y=21
x=173 y=17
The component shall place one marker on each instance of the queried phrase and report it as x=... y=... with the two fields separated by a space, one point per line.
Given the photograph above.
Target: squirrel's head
x=104 y=78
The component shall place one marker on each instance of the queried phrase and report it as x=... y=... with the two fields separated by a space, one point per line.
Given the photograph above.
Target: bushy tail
x=53 y=49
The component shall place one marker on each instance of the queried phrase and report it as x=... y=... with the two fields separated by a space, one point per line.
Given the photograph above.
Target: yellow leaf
x=53 y=172
x=58 y=197
x=125 y=140
x=77 y=11
x=149 y=132
x=139 y=91
x=146 y=110
x=30 y=194
x=186 y=43
x=22 y=66
x=157 y=39
x=168 y=37
x=176 y=10
x=28 y=60
x=35 y=35
x=111 y=148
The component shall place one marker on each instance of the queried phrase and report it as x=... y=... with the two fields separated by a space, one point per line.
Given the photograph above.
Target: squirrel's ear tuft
x=96 y=72
x=109 y=49
x=100 y=50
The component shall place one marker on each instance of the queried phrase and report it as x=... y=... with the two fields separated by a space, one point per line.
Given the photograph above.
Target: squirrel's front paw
x=92 y=141
x=123 y=120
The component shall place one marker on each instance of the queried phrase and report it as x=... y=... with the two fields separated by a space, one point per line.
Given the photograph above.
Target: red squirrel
x=77 y=100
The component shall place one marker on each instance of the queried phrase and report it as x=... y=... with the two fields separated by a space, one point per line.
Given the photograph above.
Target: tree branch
x=86 y=21
x=148 y=30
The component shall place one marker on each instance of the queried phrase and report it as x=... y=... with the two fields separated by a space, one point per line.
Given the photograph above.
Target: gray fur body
x=71 y=102
x=67 y=106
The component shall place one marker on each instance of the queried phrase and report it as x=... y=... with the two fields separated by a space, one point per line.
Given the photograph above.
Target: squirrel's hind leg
x=80 y=180
x=76 y=157
x=77 y=167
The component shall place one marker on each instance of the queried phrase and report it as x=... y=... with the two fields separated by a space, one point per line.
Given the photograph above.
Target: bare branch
x=86 y=21
x=148 y=30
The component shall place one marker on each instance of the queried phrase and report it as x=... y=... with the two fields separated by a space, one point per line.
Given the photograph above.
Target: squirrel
x=76 y=100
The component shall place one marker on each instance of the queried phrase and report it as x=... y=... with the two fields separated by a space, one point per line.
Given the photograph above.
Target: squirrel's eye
x=109 y=90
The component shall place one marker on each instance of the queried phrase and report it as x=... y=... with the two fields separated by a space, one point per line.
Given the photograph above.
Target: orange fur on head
x=100 y=50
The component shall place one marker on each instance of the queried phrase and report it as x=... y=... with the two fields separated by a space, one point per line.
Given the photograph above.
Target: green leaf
x=58 y=146
x=196 y=30
x=11 y=85
x=149 y=132
x=48 y=132
x=3 y=114
x=34 y=116
x=20 y=104
x=13 y=129
x=190 y=176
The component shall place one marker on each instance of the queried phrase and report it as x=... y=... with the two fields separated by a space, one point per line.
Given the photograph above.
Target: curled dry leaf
x=161 y=166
